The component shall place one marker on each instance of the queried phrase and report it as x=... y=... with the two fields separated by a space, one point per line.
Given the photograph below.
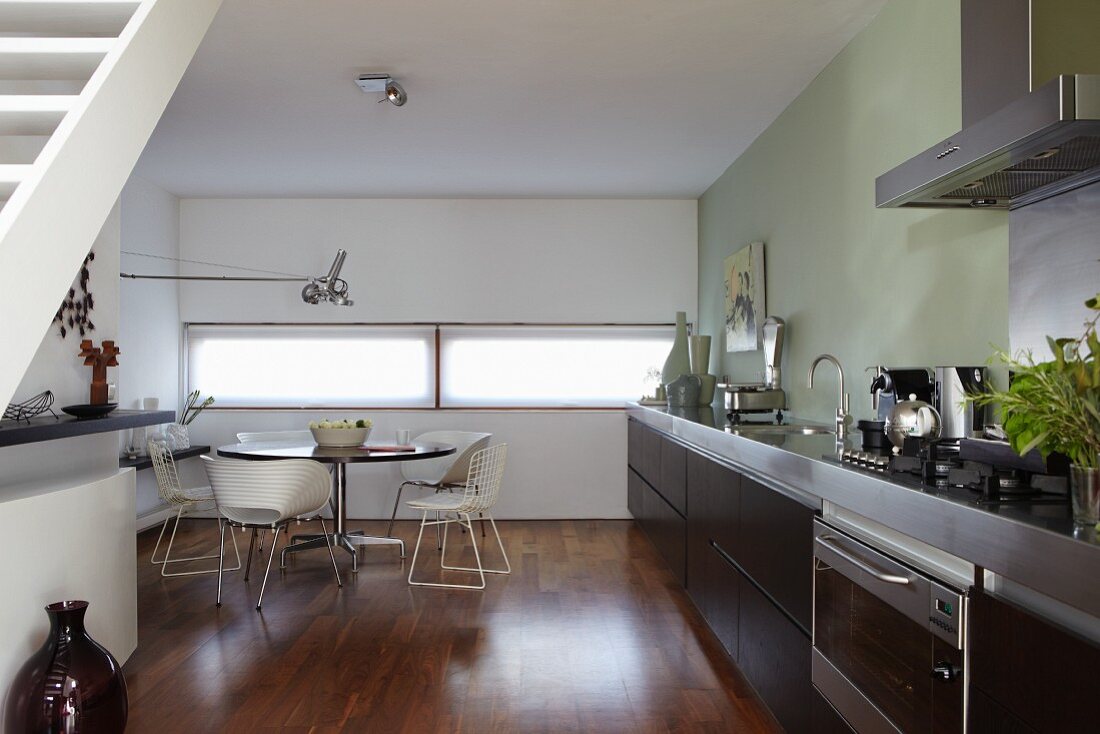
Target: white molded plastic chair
x=263 y=436
x=168 y=486
x=480 y=493
x=268 y=494
x=446 y=472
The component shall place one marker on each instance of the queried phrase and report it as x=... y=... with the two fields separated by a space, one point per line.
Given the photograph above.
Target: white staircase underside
x=56 y=205
x=33 y=114
x=63 y=17
x=51 y=58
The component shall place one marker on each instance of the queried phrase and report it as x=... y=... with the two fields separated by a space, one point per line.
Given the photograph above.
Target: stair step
x=51 y=58
x=10 y=176
x=66 y=17
x=33 y=114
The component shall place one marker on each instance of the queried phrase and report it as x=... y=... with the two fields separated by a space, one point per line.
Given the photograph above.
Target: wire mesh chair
x=480 y=493
x=446 y=473
x=268 y=494
x=172 y=493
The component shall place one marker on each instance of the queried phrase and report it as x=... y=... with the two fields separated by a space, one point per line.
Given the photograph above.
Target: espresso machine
x=959 y=418
x=891 y=385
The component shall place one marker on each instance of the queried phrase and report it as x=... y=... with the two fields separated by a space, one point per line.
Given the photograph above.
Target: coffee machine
x=959 y=418
x=891 y=385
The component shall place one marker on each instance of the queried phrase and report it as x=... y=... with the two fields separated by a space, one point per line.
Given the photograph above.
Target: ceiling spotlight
x=394 y=92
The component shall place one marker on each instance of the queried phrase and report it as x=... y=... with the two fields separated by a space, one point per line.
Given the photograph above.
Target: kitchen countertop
x=1037 y=546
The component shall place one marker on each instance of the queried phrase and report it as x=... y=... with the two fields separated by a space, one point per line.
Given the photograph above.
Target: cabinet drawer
x=1047 y=678
x=666 y=528
x=635 y=486
x=634 y=447
x=775 y=548
x=774 y=654
x=723 y=600
x=673 y=483
x=650 y=460
x=825 y=719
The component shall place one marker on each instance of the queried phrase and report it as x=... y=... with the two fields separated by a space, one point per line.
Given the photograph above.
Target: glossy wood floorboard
x=590 y=633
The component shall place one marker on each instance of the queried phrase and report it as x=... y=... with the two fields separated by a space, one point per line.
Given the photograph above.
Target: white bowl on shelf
x=337 y=438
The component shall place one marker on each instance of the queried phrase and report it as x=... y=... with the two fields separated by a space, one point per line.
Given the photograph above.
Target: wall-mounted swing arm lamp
x=330 y=288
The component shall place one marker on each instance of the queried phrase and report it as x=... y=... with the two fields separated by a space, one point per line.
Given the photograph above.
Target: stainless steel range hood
x=1028 y=134
x=1043 y=144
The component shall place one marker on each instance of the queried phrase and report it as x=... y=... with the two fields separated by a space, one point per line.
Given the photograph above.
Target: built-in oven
x=889 y=641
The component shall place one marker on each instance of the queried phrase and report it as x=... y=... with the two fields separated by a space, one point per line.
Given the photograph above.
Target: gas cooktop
x=977 y=471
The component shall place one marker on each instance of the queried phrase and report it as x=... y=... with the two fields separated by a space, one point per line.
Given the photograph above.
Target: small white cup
x=402 y=436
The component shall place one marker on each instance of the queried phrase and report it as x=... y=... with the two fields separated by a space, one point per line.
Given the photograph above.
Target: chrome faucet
x=842 y=409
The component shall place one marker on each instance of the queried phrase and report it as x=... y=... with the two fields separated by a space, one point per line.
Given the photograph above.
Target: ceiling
x=540 y=98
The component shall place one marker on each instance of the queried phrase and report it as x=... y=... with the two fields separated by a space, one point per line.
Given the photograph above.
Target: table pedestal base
x=341 y=538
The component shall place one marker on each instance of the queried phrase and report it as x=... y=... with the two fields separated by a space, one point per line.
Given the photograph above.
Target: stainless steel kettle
x=912 y=418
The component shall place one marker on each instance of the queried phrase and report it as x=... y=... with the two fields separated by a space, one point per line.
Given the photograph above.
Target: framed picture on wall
x=745 y=305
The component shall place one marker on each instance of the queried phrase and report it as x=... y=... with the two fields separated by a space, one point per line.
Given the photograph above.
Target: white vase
x=177 y=437
x=677 y=363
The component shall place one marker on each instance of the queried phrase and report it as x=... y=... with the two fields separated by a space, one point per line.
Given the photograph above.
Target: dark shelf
x=144 y=462
x=48 y=428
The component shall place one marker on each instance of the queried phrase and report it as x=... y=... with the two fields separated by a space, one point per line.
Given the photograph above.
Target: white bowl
x=334 y=438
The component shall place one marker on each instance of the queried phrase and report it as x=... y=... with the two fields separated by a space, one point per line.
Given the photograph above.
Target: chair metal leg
x=393 y=515
x=261 y=546
x=153 y=558
x=416 y=550
x=221 y=562
x=478 y=569
x=270 y=556
x=163 y=563
x=328 y=542
x=481 y=516
x=248 y=563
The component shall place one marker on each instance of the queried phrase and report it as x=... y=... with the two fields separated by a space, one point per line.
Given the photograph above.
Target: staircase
x=82 y=85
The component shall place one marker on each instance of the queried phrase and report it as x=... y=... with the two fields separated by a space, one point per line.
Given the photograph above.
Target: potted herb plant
x=1054 y=406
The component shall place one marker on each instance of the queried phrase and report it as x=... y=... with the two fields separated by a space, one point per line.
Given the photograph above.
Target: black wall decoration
x=76 y=309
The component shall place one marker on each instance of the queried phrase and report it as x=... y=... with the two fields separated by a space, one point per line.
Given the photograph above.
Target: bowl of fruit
x=340 y=433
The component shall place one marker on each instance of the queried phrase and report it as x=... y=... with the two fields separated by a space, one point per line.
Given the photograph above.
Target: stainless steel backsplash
x=1054 y=265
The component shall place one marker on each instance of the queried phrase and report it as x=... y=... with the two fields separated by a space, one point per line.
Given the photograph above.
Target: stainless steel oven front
x=889 y=642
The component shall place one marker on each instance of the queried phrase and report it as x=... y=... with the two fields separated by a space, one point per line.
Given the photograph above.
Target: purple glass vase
x=71 y=685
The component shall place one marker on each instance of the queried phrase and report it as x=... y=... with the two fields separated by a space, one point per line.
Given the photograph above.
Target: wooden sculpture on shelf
x=99 y=359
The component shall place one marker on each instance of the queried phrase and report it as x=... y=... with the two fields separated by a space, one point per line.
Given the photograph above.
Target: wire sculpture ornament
x=31 y=407
x=75 y=311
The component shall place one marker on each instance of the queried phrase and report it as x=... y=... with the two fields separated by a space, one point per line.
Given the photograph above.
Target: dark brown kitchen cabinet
x=1028 y=674
x=723 y=600
x=673 y=480
x=775 y=548
x=634 y=441
x=666 y=528
x=650 y=460
x=824 y=718
x=774 y=655
x=635 y=487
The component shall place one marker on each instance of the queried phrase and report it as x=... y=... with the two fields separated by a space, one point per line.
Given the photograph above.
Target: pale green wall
x=892 y=286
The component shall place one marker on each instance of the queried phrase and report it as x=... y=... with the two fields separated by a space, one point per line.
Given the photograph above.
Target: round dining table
x=339 y=458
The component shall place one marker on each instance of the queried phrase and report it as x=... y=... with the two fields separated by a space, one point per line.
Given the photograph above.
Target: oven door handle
x=829 y=541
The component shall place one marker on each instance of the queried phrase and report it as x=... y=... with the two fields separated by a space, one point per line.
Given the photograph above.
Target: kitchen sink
x=780 y=429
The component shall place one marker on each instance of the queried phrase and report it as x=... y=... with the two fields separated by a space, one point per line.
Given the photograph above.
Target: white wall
x=444 y=259
x=457 y=260
x=66 y=512
x=150 y=328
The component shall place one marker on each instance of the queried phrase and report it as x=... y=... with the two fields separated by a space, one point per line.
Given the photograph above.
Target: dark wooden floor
x=589 y=633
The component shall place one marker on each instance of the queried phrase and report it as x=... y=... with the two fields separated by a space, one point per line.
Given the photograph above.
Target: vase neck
x=67 y=618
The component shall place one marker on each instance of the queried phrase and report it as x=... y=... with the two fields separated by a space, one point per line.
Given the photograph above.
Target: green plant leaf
x=1033 y=443
x=1094 y=302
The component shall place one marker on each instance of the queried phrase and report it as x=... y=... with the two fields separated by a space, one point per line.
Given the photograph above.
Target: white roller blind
x=548 y=366
x=312 y=366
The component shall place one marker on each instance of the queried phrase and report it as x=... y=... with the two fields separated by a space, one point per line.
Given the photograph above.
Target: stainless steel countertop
x=1035 y=547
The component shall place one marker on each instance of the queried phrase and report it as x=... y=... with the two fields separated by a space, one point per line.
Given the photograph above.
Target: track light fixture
x=394 y=92
x=330 y=288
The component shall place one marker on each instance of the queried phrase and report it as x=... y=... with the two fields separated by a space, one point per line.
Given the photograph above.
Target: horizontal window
x=544 y=366
x=313 y=366
x=368 y=366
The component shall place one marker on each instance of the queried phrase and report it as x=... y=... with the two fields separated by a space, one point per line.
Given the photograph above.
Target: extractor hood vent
x=1041 y=145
